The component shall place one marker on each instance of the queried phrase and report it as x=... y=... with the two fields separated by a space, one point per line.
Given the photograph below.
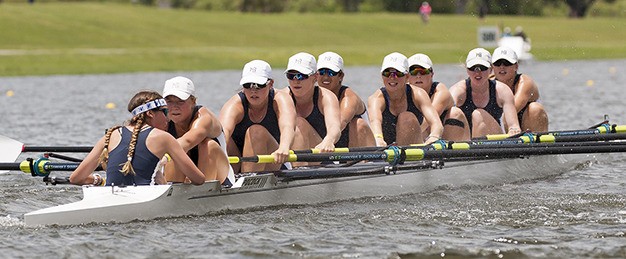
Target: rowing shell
x=124 y=204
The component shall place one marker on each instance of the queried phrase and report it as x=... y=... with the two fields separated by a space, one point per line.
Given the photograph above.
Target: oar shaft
x=399 y=155
x=602 y=129
x=522 y=151
x=67 y=149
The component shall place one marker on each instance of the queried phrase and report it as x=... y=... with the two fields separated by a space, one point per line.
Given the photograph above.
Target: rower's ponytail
x=104 y=157
x=127 y=168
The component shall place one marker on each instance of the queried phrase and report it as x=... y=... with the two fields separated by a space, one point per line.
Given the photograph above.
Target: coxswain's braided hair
x=137 y=121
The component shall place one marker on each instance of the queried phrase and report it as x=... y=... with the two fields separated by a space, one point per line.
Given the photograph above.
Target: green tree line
x=571 y=8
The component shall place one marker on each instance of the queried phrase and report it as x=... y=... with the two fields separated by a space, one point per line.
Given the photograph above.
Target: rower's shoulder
x=205 y=111
x=525 y=79
x=351 y=93
x=159 y=134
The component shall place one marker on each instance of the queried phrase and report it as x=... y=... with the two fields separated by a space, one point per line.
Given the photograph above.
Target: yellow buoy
x=565 y=71
x=10 y=93
x=110 y=106
x=589 y=82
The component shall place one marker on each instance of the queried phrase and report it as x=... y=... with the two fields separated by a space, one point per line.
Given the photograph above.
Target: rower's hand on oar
x=514 y=131
x=431 y=139
x=280 y=156
x=380 y=142
x=325 y=146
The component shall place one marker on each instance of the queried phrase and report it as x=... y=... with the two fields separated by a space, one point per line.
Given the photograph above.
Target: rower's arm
x=505 y=98
x=205 y=126
x=442 y=99
x=350 y=106
x=375 y=107
x=83 y=174
x=330 y=109
x=286 y=121
x=458 y=93
x=182 y=160
x=525 y=91
x=430 y=114
x=231 y=114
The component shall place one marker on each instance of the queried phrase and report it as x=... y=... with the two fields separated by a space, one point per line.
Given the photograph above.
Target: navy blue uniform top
x=144 y=162
x=390 y=120
x=270 y=121
x=492 y=106
x=315 y=118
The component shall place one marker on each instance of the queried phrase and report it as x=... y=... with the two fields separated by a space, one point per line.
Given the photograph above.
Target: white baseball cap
x=505 y=53
x=256 y=71
x=302 y=62
x=180 y=87
x=397 y=61
x=478 y=56
x=330 y=60
x=420 y=60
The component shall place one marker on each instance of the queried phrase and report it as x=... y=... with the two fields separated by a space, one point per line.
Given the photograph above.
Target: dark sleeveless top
x=270 y=121
x=492 y=106
x=431 y=92
x=520 y=114
x=171 y=128
x=344 y=140
x=144 y=162
x=315 y=118
x=390 y=120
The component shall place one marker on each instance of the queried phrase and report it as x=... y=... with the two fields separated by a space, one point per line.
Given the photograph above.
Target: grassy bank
x=77 y=38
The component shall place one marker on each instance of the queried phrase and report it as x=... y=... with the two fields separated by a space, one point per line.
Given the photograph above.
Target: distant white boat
x=517 y=43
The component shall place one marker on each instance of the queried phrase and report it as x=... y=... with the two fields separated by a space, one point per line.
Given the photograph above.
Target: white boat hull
x=124 y=204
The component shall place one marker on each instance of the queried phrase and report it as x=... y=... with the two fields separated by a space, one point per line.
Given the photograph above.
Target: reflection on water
x=579 y=213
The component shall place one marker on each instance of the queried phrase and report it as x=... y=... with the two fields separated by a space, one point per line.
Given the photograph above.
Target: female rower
x=130 y=154
x=198 y=131
x=355 y=129
x=421 y=75
x=397 y=109
x=530 y=113
x=317 y=108
x=484 y=101
x=258 y=120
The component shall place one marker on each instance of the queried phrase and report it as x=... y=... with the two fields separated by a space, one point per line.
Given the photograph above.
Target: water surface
x=580 y=213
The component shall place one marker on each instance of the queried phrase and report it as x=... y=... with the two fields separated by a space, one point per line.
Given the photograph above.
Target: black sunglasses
x=297 y=76
x=477 y=68
x=501 y=62
x=254 y=85
x=164 y=110
x=326 y=71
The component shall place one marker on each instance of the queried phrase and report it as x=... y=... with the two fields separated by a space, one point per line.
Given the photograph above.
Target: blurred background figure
x=425 y=11
x=506 y=32
x=519 y=31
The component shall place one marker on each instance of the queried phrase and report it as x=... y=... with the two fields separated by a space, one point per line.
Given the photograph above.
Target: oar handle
x=392 y=155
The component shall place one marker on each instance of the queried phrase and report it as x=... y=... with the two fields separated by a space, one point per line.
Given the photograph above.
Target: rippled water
x=581 y=213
